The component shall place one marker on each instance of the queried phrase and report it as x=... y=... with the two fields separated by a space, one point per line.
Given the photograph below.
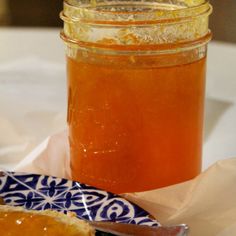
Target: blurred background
x=44 y=13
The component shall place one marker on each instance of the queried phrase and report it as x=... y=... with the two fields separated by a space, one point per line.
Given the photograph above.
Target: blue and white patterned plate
x=40 y=192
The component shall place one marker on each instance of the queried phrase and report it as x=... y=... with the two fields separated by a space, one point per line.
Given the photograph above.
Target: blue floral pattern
x=41 y=192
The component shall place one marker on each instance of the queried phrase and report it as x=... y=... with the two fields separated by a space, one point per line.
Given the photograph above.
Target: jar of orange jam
x=136 y=80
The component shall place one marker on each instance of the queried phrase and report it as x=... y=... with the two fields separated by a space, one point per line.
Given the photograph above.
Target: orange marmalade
x=136 y=92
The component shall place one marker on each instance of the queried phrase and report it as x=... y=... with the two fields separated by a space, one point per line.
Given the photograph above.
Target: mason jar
x=136 y=84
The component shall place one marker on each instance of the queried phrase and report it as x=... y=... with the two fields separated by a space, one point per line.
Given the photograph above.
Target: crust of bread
x=83 y=228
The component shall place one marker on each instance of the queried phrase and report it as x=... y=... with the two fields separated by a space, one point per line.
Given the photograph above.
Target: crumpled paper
x=207 y=203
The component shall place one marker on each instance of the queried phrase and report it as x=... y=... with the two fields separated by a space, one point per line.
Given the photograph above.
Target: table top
x=33 y=94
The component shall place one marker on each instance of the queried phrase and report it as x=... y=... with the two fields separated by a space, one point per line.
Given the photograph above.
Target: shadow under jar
x=136 y=81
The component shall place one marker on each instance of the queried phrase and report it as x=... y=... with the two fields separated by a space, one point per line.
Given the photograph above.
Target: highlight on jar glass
x=136 y=84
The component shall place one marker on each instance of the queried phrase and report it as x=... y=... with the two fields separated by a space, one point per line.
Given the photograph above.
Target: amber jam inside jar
x=136 y=81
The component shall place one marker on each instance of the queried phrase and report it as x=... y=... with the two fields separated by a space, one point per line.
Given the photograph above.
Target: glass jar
x=136 y=81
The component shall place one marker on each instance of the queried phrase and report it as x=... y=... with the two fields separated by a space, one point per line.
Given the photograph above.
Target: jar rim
x=105 y=12
x=88 y=25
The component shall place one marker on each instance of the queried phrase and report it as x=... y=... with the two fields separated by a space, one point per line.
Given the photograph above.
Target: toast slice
x=16 y=221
